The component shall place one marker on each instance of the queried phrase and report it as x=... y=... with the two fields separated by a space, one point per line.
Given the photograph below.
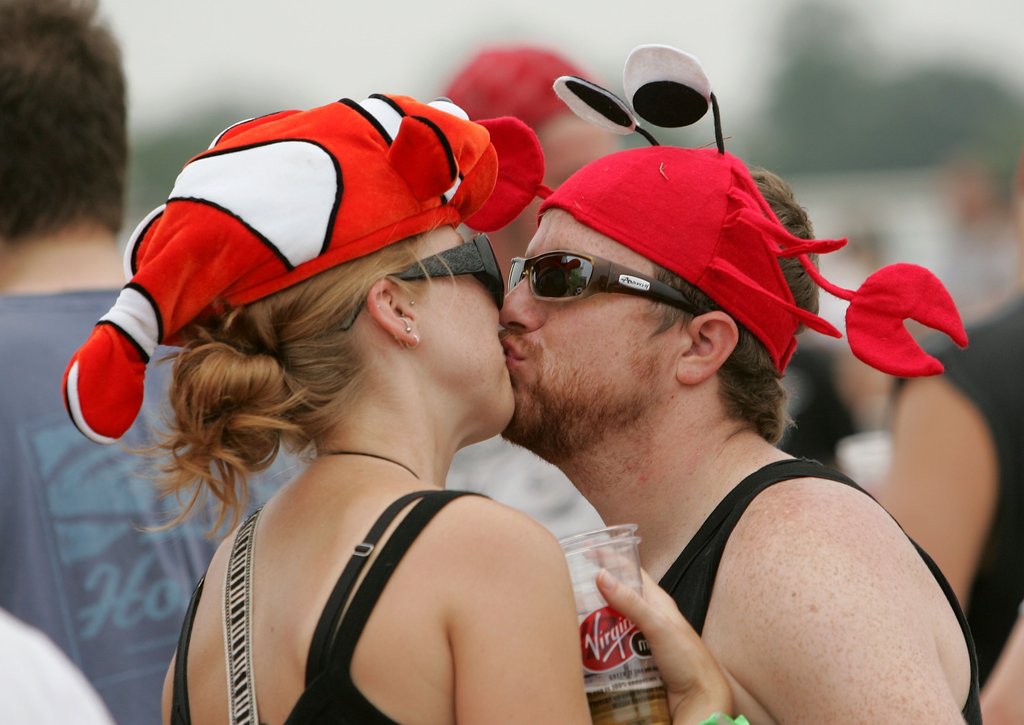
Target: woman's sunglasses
x=475 y=257
x=568 y=275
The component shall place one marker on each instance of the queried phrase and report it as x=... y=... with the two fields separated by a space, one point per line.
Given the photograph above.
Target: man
x=78 y=557
x=663 y=408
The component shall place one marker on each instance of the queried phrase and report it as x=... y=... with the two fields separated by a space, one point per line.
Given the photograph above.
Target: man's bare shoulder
x=813 y=519
x=822 y=602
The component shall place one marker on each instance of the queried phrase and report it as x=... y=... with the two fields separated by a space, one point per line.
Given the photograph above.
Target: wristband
x=720 y=718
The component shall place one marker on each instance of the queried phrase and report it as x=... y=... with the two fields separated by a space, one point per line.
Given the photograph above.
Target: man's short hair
x=751 y=386
x=63 y=136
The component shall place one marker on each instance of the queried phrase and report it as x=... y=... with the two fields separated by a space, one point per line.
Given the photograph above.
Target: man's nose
x=520 y=310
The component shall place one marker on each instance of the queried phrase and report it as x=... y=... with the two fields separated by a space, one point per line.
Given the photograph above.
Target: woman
x=309 y=267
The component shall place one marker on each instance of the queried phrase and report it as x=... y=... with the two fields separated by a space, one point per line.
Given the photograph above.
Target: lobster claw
x=875 y=317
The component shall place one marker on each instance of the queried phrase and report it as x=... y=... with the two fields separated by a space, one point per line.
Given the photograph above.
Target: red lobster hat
x=277 y=199
x=699 y=214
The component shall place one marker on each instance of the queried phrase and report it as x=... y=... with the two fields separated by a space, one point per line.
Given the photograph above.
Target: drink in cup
x=622 y=683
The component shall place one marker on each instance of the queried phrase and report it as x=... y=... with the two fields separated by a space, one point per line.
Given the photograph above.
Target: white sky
x=297 y=53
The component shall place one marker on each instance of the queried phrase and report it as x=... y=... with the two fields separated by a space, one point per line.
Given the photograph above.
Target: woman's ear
x=709 y=341
x=391 y=310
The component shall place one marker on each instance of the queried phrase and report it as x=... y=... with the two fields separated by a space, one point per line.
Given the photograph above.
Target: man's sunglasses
x=568 y=275
x=475 y=257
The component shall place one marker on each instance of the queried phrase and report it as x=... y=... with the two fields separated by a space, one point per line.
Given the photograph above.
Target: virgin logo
x=606 y=638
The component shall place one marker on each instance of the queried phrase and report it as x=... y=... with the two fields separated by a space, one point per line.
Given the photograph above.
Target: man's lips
x=514 y=352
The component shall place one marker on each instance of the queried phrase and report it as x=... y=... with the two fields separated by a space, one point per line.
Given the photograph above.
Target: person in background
x=956 y=479
x=41 y=686
x=78 y=560
x=983 y=251
x=516 y=80
x=1002 y=700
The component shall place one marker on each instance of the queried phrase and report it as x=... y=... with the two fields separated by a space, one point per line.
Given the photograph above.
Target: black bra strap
x=318 y=659
x=365 y=598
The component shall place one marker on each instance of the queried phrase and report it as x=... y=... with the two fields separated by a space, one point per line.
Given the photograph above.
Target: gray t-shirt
x=75 y=559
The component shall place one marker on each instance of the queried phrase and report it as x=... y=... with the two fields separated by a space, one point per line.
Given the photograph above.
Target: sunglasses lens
x=515 y=272
x=490 y=276
x=560 y=275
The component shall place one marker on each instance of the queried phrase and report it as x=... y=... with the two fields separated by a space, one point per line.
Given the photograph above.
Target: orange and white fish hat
x=277 y=199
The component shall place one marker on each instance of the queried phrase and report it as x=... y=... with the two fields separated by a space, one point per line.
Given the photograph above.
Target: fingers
x=695 y=683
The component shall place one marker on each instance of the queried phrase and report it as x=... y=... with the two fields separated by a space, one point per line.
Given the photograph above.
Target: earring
x=408 y=327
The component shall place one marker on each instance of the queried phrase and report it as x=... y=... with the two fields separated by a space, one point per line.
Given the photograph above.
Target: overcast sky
x=296 y=53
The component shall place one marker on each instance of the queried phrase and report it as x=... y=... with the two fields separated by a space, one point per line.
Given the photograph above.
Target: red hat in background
x=274 y=201
x=511 y=81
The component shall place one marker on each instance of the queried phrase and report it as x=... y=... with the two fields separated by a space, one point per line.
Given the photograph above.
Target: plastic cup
x=619 y=675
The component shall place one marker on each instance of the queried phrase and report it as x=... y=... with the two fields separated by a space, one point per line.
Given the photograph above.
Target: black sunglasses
x=568 y=275
x=475 y=257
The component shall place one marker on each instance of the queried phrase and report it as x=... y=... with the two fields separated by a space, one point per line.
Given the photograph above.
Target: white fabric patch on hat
x=136 y=238
x=446 y=105
x=286 y=191
x=219 y=136
x=453 y=188
x=134 y=314
x=386 y=116
x=75 y=408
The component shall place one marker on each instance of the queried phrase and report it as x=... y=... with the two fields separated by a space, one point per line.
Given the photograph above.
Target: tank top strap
x=698 y=563
x=691 y=578
x=338 y=630
x=239 y=569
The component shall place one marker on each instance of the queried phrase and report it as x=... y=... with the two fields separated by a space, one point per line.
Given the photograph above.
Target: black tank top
x=330 y=695
x=691 y=577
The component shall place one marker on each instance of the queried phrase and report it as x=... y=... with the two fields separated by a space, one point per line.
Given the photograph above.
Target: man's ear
x=710 y=340
x=389 y=308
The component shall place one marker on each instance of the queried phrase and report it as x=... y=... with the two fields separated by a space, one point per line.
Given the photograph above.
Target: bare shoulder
x=813 y=548
x=493 y=556
x=501 y=586
x=811 y=542
x=819 y=519
x=477 y=531
x=821 y=601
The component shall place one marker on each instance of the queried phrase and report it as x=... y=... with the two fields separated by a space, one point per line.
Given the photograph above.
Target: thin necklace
x=370 y=455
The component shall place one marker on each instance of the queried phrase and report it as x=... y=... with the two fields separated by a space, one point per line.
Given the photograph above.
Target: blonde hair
x=280 y=371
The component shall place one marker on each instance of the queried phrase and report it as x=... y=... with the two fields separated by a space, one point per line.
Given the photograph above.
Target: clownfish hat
x=277 y=199
x=699 y=214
